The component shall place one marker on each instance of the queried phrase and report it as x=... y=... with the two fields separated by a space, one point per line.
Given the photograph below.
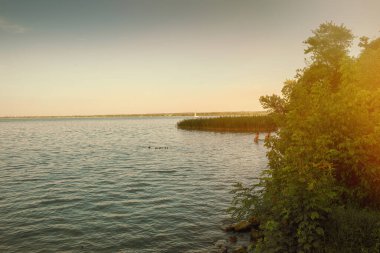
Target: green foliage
x=353 y=230
x=273 y=103
x=264 y=123
x=369 y=66
x=329 y=44
x=326 y=154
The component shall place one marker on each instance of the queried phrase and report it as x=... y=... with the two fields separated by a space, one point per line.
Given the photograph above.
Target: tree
x=325 y=154
x=369 y=65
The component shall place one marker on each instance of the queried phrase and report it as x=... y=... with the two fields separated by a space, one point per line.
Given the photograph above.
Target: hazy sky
x=75 y=57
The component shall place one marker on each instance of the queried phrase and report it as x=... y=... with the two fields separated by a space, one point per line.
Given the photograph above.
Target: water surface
x=94 y=185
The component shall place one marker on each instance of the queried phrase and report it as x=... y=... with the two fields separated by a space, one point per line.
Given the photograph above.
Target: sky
x=92 y=57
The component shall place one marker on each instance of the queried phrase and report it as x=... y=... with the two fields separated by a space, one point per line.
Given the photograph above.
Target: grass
x=263 y=123
x=353 y=230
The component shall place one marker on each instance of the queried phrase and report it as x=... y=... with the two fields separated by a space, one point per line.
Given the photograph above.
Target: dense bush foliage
x=262 y=123
x=353 y=230
x=324 y=162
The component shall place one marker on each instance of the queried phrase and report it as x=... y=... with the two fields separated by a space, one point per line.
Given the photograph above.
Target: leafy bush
x=325 y=157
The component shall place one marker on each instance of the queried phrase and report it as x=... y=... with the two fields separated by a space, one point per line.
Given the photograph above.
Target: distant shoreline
x=183 y=114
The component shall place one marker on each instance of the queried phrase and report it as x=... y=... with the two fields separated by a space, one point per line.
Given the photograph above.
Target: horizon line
x=217 y=113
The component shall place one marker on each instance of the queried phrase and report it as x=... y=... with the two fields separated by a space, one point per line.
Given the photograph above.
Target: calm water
x=93 y=185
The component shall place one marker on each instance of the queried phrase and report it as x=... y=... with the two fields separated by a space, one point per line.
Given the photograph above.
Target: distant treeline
x=263 y=123
x=179 y=114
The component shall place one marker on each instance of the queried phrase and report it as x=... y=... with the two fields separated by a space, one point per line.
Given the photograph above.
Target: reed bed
x=263 y=123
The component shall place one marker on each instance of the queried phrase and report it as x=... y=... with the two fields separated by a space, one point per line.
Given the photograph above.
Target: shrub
x=325 y=158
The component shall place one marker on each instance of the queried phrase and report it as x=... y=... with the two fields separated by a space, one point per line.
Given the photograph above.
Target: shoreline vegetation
x=244 y=124
x=321 y=191
x=180 y=114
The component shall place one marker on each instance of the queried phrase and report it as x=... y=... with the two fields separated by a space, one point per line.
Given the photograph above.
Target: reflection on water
x=94 y=185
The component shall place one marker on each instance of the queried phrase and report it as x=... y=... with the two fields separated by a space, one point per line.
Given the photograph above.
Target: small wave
x=58 y=201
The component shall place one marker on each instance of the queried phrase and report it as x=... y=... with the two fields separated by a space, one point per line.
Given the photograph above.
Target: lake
x=117 y=184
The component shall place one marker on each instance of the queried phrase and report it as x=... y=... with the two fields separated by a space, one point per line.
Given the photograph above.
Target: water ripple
x=93 y=185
